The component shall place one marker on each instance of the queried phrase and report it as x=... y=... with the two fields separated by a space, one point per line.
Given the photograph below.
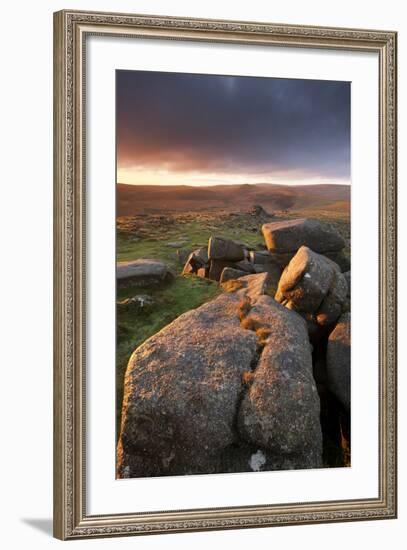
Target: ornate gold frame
x=70 y=31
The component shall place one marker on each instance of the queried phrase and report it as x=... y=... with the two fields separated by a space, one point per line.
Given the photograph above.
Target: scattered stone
x=245 y=265
x=260 y=257
x=229 y=273
x=305 y=281
x=257 y=210
x=143 y=272
x=274 y=272
x=189 y=268
x=338 y=361
x=202 y=254
x=197 y=259
x=203 y=272
x=216 y=267
x=313 y=284
x=224 y=249
x=290 y=235
x=139 y=302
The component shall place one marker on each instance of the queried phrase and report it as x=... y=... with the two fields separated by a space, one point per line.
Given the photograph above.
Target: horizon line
x=346 y=184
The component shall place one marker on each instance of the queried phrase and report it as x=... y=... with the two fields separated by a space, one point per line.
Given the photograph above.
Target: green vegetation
x=192 y=235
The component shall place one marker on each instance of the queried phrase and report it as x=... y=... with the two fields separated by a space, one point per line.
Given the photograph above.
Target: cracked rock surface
x=187 y=409
x=280 y=411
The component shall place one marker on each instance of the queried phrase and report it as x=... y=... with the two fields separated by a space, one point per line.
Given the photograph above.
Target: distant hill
x=136 y=199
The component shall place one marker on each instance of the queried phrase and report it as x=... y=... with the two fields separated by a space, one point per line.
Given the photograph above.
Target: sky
x=189 y=129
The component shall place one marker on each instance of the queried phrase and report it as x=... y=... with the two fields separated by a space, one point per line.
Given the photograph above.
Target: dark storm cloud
x=227 y=124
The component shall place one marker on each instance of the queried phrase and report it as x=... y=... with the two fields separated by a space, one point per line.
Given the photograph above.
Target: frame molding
x=70 y=31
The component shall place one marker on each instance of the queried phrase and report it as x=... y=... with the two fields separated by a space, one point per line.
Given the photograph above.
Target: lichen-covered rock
x=202 y=254
x=182 y=389
x=282 y=259
x=225 y=249
x=245 y=265
x=229 y=273
x=184 y=386
x=274 y=274
x=280 y=411
x=313 y=284
x=339 y=258
x=348 y=282
x=259 y=257
x=305 y=281
x=253 y=286
x=197 y=259
x=338 y=360
x=334 y=301
x=216 y=267
x=290 y=235
x=143 y=272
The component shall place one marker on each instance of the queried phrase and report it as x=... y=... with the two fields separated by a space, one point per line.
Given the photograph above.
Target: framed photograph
x=225 y=204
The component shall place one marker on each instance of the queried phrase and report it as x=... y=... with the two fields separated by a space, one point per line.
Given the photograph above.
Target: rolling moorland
x=150 y=199
x=167 y=223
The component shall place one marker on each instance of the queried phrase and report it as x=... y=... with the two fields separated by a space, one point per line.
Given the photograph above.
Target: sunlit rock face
x=186 y=408
x=314 y=286
x=289 y=235
x=284 y=238
x=280 y=411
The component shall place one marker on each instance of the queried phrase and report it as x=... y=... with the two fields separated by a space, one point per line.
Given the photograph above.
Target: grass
x=194 y=235
x=135 y=326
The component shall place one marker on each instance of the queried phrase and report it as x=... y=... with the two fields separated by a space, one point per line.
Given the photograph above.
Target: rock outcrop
x=284 y=238
x=196 y=260
x=184 y=391
x=229 y=273
x=230 y=386
x=338 y=361
x=223 y=253
x=225 y=249
x=143 y=272
x=181 y=392
x=314 y=286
